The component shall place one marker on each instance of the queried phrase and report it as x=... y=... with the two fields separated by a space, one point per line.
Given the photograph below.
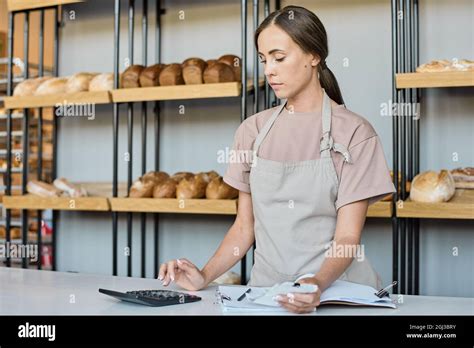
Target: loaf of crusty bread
x=218 y=189
x=234 y=62
x=194 y=187
x=71 y=190
x=150 y=76
x=42 y=189
x=432 y=187
x=193 y=70
x=79 y=82
x=218 y=72
x=102 y=82
x=155 y=177
x=15 y=232
x=29 y=87
x=141 y=189
x=131 y=76
x=55 y=85
x=208 y=176
x=172 y=75
x=181 y=175
x=165 y=189
x=434 y=66
x=211 y=62
x=463 y=177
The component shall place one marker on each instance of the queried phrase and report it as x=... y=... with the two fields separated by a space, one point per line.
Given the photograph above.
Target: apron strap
x=327 y=143
x=266 y=128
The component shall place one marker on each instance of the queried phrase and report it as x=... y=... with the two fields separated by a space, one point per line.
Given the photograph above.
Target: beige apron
x=295 y=213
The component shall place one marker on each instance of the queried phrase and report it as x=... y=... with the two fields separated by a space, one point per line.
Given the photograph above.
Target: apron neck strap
x=266 y=128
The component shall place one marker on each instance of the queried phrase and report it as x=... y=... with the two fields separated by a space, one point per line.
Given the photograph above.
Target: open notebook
x=340 y=292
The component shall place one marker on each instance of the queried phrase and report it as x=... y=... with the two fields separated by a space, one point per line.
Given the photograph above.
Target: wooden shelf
x=56 y=203
x=102 y=97
x=20 y=5
x=206 y=90
x=436 y=79
x=461 y=206
x=173 y=205
x=380 y=209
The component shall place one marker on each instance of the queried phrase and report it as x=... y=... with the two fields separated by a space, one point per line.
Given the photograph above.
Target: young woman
x=317 y=166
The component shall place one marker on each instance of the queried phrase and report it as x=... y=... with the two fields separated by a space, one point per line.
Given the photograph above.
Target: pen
x=243 y=295
x=383 y=292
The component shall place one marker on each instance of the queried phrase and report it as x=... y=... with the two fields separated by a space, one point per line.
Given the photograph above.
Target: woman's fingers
x=162 y=272
x=297 y=309
x=170 y=272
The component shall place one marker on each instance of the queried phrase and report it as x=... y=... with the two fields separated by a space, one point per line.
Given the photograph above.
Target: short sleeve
x=367 y=177
x=238 y=169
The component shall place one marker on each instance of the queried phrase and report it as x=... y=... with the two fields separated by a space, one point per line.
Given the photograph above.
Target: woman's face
x=287 y=68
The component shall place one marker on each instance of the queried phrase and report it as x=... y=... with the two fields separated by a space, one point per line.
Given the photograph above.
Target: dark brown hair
x=305 y=28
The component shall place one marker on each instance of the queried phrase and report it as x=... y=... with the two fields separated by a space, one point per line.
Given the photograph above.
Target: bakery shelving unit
x=44 y=159
x=406 y=89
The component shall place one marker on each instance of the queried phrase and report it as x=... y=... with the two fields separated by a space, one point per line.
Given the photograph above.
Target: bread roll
x=102 y=82
x=235 y=63
x=463 y=177
x=15 y=232
x=150 y=76
x=181 y=175
x=194 y=187
x=131 y=76
x=211 y=62
x=29 y=87
x=55 y=85
x=79 y=82
x=172 y=75
x=165 y=189
x=142 y=189
x=435 y=66
x=42 y=189
x=432 y=187
x=208 y=176
x=155 y=177
x=218 y=189
x=72 y=190
x=193 y=70
x=218 y=72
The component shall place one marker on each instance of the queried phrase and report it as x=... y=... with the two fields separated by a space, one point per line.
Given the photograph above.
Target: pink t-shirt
x=296 y=136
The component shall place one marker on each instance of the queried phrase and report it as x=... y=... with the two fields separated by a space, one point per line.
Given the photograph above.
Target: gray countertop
x=33 y=292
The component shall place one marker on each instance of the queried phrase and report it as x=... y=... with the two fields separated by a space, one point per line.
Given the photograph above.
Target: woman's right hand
x=184 y=273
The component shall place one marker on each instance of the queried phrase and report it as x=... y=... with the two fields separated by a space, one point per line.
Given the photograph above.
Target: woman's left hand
x=301 y=302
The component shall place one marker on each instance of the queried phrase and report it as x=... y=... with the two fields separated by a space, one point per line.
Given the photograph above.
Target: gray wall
x=359 y=32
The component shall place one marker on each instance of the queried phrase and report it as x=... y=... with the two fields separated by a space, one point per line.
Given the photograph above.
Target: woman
x=316 y=168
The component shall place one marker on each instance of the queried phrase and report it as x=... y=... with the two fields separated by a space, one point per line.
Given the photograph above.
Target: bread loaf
x=155 y=177
x=131 y=76
x=165 y=189
x=142 y=189
x=218 y=189
x=218 y=72
x=463 y=177
x=434 y=66
x=29 y=87
x=55 y=85
x=193 y=70
x=72 y=191
x=208 y=176
x=172 y=75
x=432 y=187
x=211 y=62
x=102 y=82
x=149 y=77
x=15 y=232
x=181 y=175
x=79 y=82
x=235 y=63
x=194 y=187
x=42 y=189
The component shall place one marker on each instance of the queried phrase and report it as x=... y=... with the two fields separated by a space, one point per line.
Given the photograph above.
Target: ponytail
x=329 y=83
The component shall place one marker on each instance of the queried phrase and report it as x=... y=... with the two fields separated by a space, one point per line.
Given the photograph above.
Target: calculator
x=154 y=298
